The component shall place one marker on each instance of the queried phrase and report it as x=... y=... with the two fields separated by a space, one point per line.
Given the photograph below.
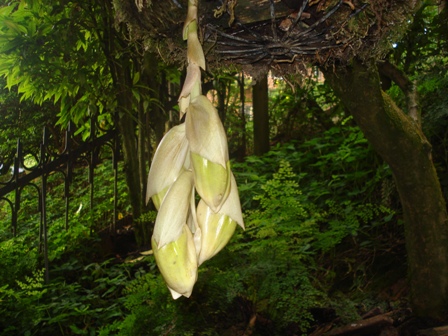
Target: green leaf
x=136 y=78
x=15 y=26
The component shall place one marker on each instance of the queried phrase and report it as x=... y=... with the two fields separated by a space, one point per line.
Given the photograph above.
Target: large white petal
x=211 y=180
x=177 y=262
x=216 y=231
x=232 y=205
x=218 y=227
x=168 y=161
x=205 y=132
x=173 y=212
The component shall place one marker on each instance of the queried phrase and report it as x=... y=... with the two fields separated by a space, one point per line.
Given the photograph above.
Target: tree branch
x=408 y=87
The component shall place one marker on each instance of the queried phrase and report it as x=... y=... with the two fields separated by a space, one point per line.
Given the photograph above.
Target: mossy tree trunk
x=261 y=116
x=398 y=138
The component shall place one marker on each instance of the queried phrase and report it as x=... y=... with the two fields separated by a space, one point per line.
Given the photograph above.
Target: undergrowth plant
x=287 y=231
x=303 y=203
x=75 y=296
x=275 y=278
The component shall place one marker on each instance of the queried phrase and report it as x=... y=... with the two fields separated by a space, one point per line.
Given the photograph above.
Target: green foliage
x=338 y=165
x=302 y=201
x=151 y=309
x=288 y=230
x=279 y=240
x=78 y=296
x=17 y=310
x=65 y=307
x=19 y=256
x=21 y=120
x=302 y=111
x=51 y=42
x=434 y=100
x=305 y=200
x=309 y=206
x=279 y=210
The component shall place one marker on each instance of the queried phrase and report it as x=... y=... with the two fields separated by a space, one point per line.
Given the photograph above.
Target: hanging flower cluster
x=192 y=157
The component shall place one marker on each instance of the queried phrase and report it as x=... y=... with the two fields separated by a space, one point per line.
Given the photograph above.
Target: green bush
x=302 y=203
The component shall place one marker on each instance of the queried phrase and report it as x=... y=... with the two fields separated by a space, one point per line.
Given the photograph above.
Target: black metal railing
x=49 y=161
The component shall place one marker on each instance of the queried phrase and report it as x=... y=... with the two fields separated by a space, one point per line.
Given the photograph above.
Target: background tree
x=260 y=101
x=25 y=121
x=79 y=57
x=397 y=135
x=399 y=140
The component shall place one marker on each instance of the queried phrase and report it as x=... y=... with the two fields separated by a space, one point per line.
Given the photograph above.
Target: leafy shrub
x=302 y=202
x=19 y=256
x=290 y=226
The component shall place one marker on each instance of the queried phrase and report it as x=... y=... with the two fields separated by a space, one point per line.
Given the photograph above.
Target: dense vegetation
x=315 y=210
x=324 y=240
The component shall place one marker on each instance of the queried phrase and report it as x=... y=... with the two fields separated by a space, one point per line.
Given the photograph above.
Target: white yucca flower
x=218 y=228
x=169 y=160
x=172 y=240
x=208 y=152
x=192 y=156
x=173 y=212
x=177 y=261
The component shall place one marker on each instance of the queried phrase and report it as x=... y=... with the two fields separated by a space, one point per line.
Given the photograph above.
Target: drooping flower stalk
x=192 y=157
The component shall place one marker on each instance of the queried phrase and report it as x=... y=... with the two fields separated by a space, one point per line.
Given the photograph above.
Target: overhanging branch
x=408 y=87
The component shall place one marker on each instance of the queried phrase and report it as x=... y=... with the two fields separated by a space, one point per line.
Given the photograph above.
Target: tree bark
x=242 y=149
x=132 y=141
x=261 y=116
x=151 y=77
x=408 y=87
x=401 y=143
x=221 y=91
x=122 y=81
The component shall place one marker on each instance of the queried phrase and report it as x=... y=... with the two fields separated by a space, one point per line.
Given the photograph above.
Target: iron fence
x=47 y=161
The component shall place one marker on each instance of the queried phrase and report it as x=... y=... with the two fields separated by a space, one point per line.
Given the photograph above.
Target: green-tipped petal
x=177 y=262
x=232 y=205
x=192 y=223
x=209 y=152
x=157 y=199
x=218 y=228
x=212 y=181
x=173 y=211
x=205 y=132
x=167 y=163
